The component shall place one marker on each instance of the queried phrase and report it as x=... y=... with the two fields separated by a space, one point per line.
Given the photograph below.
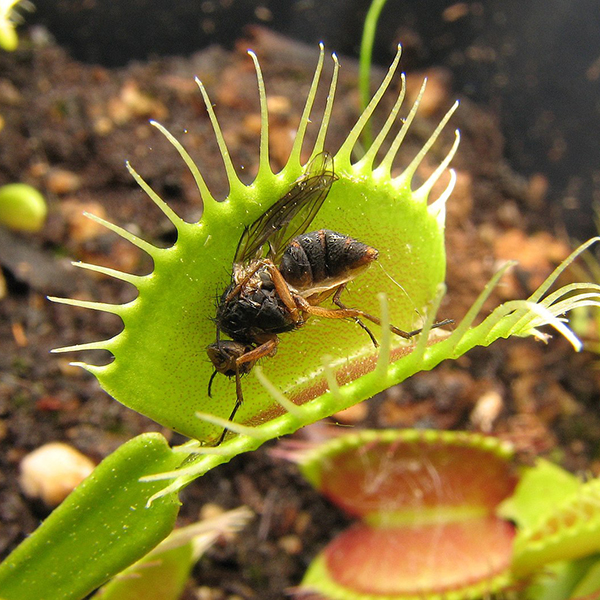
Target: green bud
x=22 y=207
x=8 y=35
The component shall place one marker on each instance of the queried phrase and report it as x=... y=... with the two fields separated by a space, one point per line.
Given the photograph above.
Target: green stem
x=366 y=53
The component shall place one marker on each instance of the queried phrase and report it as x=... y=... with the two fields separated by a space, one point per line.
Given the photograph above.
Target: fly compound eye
x=223 y=355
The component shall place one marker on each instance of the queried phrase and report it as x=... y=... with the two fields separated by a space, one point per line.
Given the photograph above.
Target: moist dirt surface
x=68 y=128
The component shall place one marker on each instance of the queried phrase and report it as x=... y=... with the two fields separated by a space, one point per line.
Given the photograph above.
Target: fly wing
x=291 y=215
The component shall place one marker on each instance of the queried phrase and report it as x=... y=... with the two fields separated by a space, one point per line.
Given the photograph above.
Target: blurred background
x=535 y=64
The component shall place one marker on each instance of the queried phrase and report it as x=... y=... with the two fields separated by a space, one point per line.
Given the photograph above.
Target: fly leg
x=243 y=364
x=283 y=291
x=354 y=313
x=239 y=398
x=336 y=300
x=348 y=313
x=236 y=290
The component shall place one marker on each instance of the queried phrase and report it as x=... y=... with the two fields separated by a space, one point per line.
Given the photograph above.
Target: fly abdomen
x=314 y=257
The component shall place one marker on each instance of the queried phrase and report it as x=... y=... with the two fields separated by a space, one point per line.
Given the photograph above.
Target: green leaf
x=559 y=580
x=101 y=528
x=154 y=576
x=569 y=532
x=589 y=586
x=366 y=55
x=8 y=36
x=539 y=491
x=164 y=571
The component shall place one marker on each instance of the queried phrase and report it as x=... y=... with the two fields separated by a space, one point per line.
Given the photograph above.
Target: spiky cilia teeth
x=343 y=155
x=246 y=202
x=99 y=345
x=407 y=174
x=114 y=309
x=343 y=158
x=135 y=280
x=127 y=235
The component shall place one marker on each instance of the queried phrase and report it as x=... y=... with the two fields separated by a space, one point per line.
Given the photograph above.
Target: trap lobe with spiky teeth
x=160 y=368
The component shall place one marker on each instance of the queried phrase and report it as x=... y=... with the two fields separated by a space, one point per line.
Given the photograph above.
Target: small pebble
x=210 y=511
x=291 y=544
x=82 y=228
x=52 y=472
x=61 y=182
x=456 y=11
x=487 y=410
x=279 y=105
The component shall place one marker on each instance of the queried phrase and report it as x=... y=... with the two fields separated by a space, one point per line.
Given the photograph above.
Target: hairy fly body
x=282 y=275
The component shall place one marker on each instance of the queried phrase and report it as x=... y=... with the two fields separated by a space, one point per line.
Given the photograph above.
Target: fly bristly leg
x=267 y=348
x=243 y=364
x=356 y=313
x=336 y=300
x=433 y=326
x=239 y=398
x=348 y=313
x=283 y=291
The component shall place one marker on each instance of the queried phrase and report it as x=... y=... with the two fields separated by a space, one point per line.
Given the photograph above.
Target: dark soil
x=69 y=127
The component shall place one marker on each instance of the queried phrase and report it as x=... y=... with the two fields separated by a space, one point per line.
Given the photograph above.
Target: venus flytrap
x=557 y=547
x=446 y=515
x=425 y=505
x=160 y=367
x=101 y=528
